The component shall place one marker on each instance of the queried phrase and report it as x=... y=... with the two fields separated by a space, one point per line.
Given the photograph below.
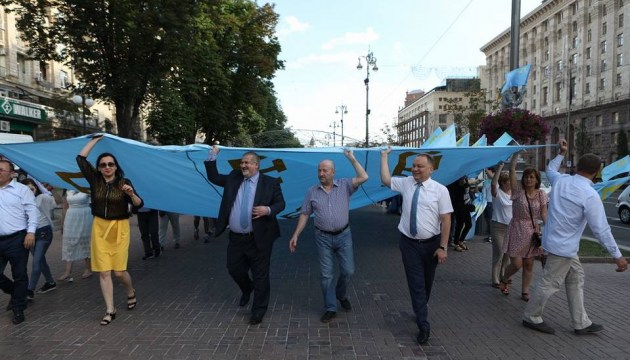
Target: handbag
x=536 y=238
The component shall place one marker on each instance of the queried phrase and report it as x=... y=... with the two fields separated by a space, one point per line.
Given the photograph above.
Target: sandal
x=458 y=248
x=505 y=288
x=131 y=301
x=463 y=246
x=525 y=297
x=108 y=318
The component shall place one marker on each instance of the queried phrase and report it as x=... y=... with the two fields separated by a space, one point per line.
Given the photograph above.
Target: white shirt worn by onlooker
x=502 y=207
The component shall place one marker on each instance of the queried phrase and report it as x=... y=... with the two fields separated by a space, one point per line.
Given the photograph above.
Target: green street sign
x=20 y=111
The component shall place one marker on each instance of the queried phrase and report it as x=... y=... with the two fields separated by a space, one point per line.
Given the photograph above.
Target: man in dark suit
x=250 y=204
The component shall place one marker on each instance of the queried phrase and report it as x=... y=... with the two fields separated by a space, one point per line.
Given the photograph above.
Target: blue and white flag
x=618 y=167
x=517 y=77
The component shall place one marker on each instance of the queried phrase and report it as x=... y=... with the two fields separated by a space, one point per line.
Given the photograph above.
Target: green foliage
x=582 y=140
x=467 y=118
x=622 y=144
x=276 y=139
x=170 y=121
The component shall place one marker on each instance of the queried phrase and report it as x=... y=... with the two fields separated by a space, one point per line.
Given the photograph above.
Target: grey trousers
x=164 y=220
x=560 y=270
x=500 y=260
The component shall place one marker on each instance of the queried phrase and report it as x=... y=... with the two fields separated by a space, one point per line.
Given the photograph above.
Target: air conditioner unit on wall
x=5 y=126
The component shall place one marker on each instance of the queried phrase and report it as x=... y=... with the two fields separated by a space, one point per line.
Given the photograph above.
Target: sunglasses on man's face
x=104 y=165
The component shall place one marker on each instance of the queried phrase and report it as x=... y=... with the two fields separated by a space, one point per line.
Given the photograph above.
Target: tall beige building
x=579 y=76
x=28 y=88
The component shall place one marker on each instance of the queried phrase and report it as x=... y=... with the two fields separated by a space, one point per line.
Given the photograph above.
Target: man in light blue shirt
x=18 y=222
x=573 y=203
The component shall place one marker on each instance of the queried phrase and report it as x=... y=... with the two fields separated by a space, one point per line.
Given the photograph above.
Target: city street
x=188 y=308
x=620 y=231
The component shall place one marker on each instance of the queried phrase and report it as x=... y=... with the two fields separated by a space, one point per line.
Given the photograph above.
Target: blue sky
x=416 y=43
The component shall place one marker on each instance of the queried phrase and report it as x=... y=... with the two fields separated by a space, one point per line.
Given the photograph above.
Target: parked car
x=623 y=206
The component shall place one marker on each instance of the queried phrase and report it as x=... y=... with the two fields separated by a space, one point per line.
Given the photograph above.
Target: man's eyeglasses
x=104 y=165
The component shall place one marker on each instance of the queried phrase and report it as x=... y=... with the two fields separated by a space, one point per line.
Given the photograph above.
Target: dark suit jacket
x=268 y=193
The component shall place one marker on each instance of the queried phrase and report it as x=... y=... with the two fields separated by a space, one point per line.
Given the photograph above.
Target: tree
x=169 y=119
x=467 y=118
x=582 y=140
x=622 y=144
x=116 y=48
x=276 y=139
x=388 y=135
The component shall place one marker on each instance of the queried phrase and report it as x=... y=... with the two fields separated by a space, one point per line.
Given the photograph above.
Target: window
x=442 y=118
x=619 y=59
x=559 y=17
x=620 y=39
x=589 y=18
x=604 y=28
x=598 y=120
x=63 y=79
x=604 y=12
x=598 y=139
x=589 y=35
x=573 y=59
x=559 y=66
x=613 y=138
x=615 y=117
x=440 y=107
x=534 y=89
x=618 y=80
x=588 y=53
x=574 y=8
x=544 y=95
x=534 y=75
x=574 y=27
x=545 y=25
x=546 y=71
x=620 y=20
x=603 y=66
x=533 y=103
x=572 y=89
x=574 y=42
x=556 y=96
x=587 y=88
x=547 y=55
x=588 y=70
x=546 y=42
x=603 y=46
x=602 y=83
x=559 y=35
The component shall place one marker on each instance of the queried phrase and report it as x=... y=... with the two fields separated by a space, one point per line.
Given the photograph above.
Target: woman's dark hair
x=526 y=173
x=119 y=174
x=32 y=182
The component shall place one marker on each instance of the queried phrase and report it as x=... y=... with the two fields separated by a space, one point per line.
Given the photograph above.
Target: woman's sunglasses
x=104 y=165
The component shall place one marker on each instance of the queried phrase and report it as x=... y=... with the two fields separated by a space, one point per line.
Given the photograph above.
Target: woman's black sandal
x=108 y=318
x=131 y=301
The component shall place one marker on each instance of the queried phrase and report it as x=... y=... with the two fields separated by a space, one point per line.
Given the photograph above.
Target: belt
x=236 y=235
x=432 y=238
x=337 y=232
x=6 y=237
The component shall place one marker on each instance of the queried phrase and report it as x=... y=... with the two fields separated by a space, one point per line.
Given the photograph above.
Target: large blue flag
x=173 y=178
x=517 y=77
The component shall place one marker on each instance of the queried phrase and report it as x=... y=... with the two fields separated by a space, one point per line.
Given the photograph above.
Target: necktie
x=413 y=227
x=245 y=204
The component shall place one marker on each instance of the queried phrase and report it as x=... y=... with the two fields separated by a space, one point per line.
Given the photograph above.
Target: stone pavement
x=188 y=308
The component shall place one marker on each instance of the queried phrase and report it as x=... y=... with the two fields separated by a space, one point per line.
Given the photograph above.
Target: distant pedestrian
x=208 y=229
x=529 y=211
x=573 y=204
x=501 y=217
x=112 y=194
x=329 y=201
x=18 y=223
x=250 y=203
x=43 y=238
x=487 y=194
x=173 y=218
x=76 y=227
x=424 y=228
x=149 y=232
x=459 y=193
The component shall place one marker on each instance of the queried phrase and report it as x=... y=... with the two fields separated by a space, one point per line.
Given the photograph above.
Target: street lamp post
x=334 y=126
x=343 y=109
x=85 y=103
x=370 y=60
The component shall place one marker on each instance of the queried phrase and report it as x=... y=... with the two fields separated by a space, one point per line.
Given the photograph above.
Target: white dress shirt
x=17 y=209
x=572 y=204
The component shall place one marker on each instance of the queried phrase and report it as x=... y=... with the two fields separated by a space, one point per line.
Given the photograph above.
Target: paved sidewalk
x=188 y=308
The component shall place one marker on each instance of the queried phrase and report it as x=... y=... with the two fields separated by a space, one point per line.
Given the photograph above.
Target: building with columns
x=579 y=79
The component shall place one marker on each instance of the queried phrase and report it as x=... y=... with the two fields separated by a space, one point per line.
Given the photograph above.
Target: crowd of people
x=524 y=225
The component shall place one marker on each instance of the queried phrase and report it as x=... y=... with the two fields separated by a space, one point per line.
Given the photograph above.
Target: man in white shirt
x=573 y=202
x=424 y=231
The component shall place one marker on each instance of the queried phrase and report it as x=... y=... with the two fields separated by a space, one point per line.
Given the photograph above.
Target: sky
x=416 y=43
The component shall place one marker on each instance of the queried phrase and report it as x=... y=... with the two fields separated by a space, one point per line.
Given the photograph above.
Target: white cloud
x=292 y=25
x=351 y=38
x=336 y=58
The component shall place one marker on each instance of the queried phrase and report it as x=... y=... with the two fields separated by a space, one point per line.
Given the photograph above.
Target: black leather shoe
x=594 y=328
x=542 y=327
x=423 y=337
x=18 y=317
x=255 y=319
x=345 y=304
x=244 y=299
x=328 y=315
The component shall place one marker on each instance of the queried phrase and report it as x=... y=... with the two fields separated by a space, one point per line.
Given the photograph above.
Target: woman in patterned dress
x=518 y=243
x=112 y=194
x=76 y=223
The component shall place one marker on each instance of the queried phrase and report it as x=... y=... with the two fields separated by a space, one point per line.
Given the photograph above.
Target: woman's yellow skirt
x=110 y=244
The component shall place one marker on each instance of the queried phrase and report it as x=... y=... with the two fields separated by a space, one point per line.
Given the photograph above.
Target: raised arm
x=362 y=176
x=90 y=145
x=386 y=177
x=513 y=180
x=554 y=164
x=211 y=167
x=495 y=179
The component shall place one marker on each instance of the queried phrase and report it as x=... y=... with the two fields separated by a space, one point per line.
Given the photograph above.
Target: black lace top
x=108 y=200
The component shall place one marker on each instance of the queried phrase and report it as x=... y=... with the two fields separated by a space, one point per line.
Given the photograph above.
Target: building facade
x=425 y=112
x=579 y=78
x=29 y=89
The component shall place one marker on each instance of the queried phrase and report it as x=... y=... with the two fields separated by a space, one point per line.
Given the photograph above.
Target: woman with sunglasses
x=43 y=237
x=111 y=195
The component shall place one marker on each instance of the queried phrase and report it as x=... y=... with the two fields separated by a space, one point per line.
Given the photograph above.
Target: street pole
x=370 y=60
x=343 y=109
x=80 y=99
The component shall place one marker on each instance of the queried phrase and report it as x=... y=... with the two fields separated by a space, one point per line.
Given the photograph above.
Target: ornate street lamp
x=335 y=126
x=370 y=60
x=343 y=109
x=85 y=103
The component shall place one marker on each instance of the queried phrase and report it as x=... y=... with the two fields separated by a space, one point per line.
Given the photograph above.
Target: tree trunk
x=127 y=118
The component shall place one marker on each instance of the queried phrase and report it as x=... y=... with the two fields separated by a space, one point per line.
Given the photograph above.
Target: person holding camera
x=522 y=242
